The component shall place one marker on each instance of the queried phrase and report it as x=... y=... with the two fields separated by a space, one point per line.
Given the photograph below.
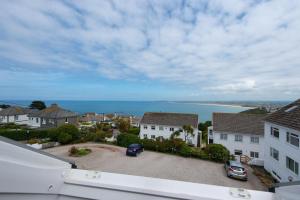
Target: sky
x=194 y=50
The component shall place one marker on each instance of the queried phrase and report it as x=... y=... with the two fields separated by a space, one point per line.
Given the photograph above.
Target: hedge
x=214 y=152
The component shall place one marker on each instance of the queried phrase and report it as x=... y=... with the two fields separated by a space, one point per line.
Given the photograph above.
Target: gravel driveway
x=110 y=158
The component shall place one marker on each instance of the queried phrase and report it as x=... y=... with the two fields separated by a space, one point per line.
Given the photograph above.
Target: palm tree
x=175 y=134
x=188 y=131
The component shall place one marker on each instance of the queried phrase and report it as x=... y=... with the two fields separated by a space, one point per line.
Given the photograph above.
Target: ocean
x=137 y=108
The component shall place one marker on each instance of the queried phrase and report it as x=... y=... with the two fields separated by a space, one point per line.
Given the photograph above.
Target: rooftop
x=239 y=123
x=16 y=110
x=54 y=111
x=170 y=119
x=288 y=116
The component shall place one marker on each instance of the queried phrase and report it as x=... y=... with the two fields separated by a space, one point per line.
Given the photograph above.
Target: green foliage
x=40 y=105
x=134 y=130
x=21 y=134
x=123 y=125
x=174 y=135
x=73 y=151
x=3 y=106
x=69 y=129
x=217 y=152
x=262 y=110
x=125 y=139
x=203 y=126
x=188 y=131
x=103 y=126
x=64 y=138
x=185 y=151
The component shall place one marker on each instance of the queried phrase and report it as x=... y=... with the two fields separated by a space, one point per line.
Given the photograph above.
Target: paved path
x=110 y=158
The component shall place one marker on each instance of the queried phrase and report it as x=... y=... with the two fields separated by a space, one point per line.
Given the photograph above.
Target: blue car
x=134 y=149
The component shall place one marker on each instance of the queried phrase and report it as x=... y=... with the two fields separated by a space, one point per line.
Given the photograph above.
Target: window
x=238 y=152
x=43 y=121
x=274 y=153
x=145 y=136
x=37 y=120
x=292 y=165
x=238 y=138
x=51 y=121
x=16 y=117
x=145 y=127
x=152 y=127
x=152 y=136
x=292 y=139
x=223 y=136
x=254 y=139
x=161 y=128
x=66 y=120
x=171 y=129
x=275 y=132
x=254 y=154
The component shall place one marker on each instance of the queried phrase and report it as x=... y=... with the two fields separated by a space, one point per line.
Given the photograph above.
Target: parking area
x=110 y=158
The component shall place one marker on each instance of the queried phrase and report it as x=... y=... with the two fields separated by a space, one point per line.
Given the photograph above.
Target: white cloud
x=224 y=46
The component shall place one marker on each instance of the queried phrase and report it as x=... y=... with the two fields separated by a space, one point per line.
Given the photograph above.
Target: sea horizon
x=204 y=109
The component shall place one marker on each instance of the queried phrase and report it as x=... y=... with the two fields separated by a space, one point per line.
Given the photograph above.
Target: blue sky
x=150 y=50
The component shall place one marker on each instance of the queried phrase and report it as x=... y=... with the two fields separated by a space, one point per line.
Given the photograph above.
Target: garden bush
x=69 y=129
x=125 y=139
x=64 y=138
x=217 y=152
x=185 y=151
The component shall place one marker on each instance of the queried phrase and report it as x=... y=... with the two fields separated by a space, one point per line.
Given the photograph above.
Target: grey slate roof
x=16 y=110
x=239 y=123
x=170 y=119
x=287 y=118
x=53 y=112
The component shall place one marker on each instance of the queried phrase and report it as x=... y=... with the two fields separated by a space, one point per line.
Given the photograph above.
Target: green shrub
x=64 y=138
x=217 y=152
x=73 y=151
x=125 y=139
x=185 y=151
x=69 y=129
x=134 y=131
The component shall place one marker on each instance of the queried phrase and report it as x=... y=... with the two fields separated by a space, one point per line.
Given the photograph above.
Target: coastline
x=217 y=104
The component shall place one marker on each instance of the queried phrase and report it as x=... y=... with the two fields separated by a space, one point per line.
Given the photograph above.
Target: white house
x=241 y=134
x=282 y=133
x=15 y=114
x=158 y=124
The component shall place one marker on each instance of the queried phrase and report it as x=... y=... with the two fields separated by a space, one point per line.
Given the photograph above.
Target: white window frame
x=254 y=154
x=292 y=165
x=254 y=139
x=145 y=127
x=152 y=127
x=153 y=137
x=161 y=128
x=238 y=138
x=240 y=152
x=145 y=136
x=172 y=129
x=273 y=152
x=292 y=136
x=273 y=129
x=223 y=136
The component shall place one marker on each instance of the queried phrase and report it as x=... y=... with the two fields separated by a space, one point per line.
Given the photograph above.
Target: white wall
x=21 y=119
x=165 y=133
x=285 y=149
x=33 y=123
x=246 y=146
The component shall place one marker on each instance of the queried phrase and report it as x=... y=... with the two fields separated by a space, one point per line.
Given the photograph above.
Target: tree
x=188 y=131
x=123 y=125
x=174 y=135
x=4 y=106
x=40 y=105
